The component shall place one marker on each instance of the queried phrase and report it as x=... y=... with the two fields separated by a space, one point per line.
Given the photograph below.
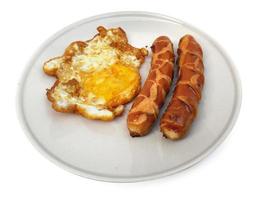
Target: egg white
x=96 y=56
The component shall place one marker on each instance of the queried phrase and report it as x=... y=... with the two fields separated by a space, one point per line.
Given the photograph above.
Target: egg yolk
x=110 y=83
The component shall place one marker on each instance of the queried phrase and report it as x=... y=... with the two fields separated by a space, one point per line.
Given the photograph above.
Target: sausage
x=182 y=108
x=146 y=106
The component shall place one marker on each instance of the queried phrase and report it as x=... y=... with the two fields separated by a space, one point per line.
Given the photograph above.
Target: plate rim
x=94 y=176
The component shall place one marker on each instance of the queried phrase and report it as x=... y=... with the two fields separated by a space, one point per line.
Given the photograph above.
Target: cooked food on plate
x=95 y=78
x=183 y=106
x=147 y=104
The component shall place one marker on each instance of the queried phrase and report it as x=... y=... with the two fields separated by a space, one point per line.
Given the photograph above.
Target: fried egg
x=95 y=78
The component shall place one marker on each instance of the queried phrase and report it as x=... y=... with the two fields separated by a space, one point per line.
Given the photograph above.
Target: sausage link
x=147 y=104
x=182 y=108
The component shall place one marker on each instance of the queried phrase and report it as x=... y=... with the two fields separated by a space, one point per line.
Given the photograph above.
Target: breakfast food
x=182 y=108
x=147 y=104
x=95 y=78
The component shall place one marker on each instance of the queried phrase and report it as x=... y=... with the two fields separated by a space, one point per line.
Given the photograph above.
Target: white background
x=237 y=169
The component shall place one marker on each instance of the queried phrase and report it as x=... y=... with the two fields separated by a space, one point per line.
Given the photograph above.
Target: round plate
x=104 y=150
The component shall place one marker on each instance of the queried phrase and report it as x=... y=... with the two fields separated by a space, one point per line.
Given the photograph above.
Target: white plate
x=104 y=150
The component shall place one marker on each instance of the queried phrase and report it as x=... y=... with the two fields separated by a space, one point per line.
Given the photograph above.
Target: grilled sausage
x=147 y=104
x=182 y=108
